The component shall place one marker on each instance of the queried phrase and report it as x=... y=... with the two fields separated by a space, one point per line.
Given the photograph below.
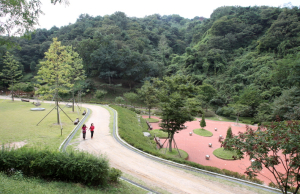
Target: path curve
x=154 y=174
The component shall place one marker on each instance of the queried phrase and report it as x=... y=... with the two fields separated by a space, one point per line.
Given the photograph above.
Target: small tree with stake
x=271 y=147
x=202 y=122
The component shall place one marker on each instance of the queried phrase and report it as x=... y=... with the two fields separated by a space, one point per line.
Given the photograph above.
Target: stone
x=147 y=134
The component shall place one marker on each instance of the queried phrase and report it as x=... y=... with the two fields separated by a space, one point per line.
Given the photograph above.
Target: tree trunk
x=170 y=142
x=57 y=109
x=12 y=93
x=73 y=102
x=149 y=113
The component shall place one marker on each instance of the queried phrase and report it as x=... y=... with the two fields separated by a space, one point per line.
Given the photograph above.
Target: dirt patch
x=15 y=145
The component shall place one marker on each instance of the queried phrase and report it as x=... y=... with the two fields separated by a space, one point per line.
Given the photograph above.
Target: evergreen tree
x=11 y=72
x=202 y=122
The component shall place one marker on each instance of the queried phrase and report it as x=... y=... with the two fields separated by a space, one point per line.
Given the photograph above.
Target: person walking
x=83 y=131
x=92 y=127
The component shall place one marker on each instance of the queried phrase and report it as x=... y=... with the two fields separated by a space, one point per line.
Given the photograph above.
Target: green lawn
x=224 y=154
x=203 y=132
x=174 y=153
x=18 y=123
x=19 y=184
x=159 y=133
x=152 y=120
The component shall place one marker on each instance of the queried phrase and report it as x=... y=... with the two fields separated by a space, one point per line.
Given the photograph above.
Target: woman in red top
x=92 y=130
x=83 y=131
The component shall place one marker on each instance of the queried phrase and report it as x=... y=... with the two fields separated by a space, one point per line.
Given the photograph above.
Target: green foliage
x=11 y=72
x=55 y=70
x=203 y=132
x=177 y=95
x=100 y=93
x=114 y=174
x=119 y=100
x=149 y=94
x=75 y=166
x=270 y=147
x=202 y=122
x=131 y=97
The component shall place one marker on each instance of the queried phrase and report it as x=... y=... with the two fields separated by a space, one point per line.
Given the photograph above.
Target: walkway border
x=182 y=166
x=64 y=144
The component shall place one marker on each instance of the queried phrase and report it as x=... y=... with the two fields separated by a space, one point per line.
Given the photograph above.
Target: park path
x=154 y=174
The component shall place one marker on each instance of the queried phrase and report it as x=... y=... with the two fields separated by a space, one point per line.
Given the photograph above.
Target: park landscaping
x=41 y=160
x=203 y=132
x=225 y=154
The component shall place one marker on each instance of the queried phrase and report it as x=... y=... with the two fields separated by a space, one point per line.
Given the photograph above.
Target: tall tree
x=131 y=97
x=76 y=71
x=178 y=103
x=55 y=71
x=149 y=94
x=11 y=72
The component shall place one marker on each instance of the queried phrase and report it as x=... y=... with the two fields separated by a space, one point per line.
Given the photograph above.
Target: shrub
x=74 y=167
x=114 y=174
x=100 y=94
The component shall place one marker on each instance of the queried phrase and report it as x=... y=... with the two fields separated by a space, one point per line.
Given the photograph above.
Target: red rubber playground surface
x=197 y=146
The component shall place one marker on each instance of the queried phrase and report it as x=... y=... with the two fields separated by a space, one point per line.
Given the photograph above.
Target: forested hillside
x=250 y=55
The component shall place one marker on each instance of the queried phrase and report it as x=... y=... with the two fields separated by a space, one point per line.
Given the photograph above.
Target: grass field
x=203 y=132
x=224 y=154
x=159 y=133
x=18 y=123
x=174 y=153
x=19 y=184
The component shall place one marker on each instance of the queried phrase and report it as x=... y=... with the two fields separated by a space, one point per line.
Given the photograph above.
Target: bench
x=157 y=140
x=84 y=112
x=23 y=100
x=149 y=125
x=76 y=121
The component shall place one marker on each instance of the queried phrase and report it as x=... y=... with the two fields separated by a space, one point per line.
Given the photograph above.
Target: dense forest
x=250 y=56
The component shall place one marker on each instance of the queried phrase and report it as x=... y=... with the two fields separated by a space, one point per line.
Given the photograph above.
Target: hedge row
x=78 y=167
x=132 y=132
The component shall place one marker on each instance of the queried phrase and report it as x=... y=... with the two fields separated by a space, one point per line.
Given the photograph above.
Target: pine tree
x=11 y=72
x=203 y=123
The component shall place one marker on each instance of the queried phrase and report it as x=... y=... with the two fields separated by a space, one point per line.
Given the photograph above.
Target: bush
x=225 y=111
x=114 y=174
x=100 y=94
x=74 y=167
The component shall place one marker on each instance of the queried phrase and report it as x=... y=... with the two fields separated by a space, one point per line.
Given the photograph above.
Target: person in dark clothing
x=83 y=131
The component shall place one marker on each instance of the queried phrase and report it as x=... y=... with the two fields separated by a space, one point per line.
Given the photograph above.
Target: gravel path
x=154 y=174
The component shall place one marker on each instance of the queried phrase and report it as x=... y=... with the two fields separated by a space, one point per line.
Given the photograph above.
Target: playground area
x=198 y=146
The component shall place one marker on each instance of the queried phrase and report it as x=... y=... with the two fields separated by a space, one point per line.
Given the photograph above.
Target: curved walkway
x=154 y=174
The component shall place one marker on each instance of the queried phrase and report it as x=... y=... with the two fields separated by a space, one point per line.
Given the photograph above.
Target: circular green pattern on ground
x=203 y=132
x=152 y=120
x=174 y=153
x=224 y=154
